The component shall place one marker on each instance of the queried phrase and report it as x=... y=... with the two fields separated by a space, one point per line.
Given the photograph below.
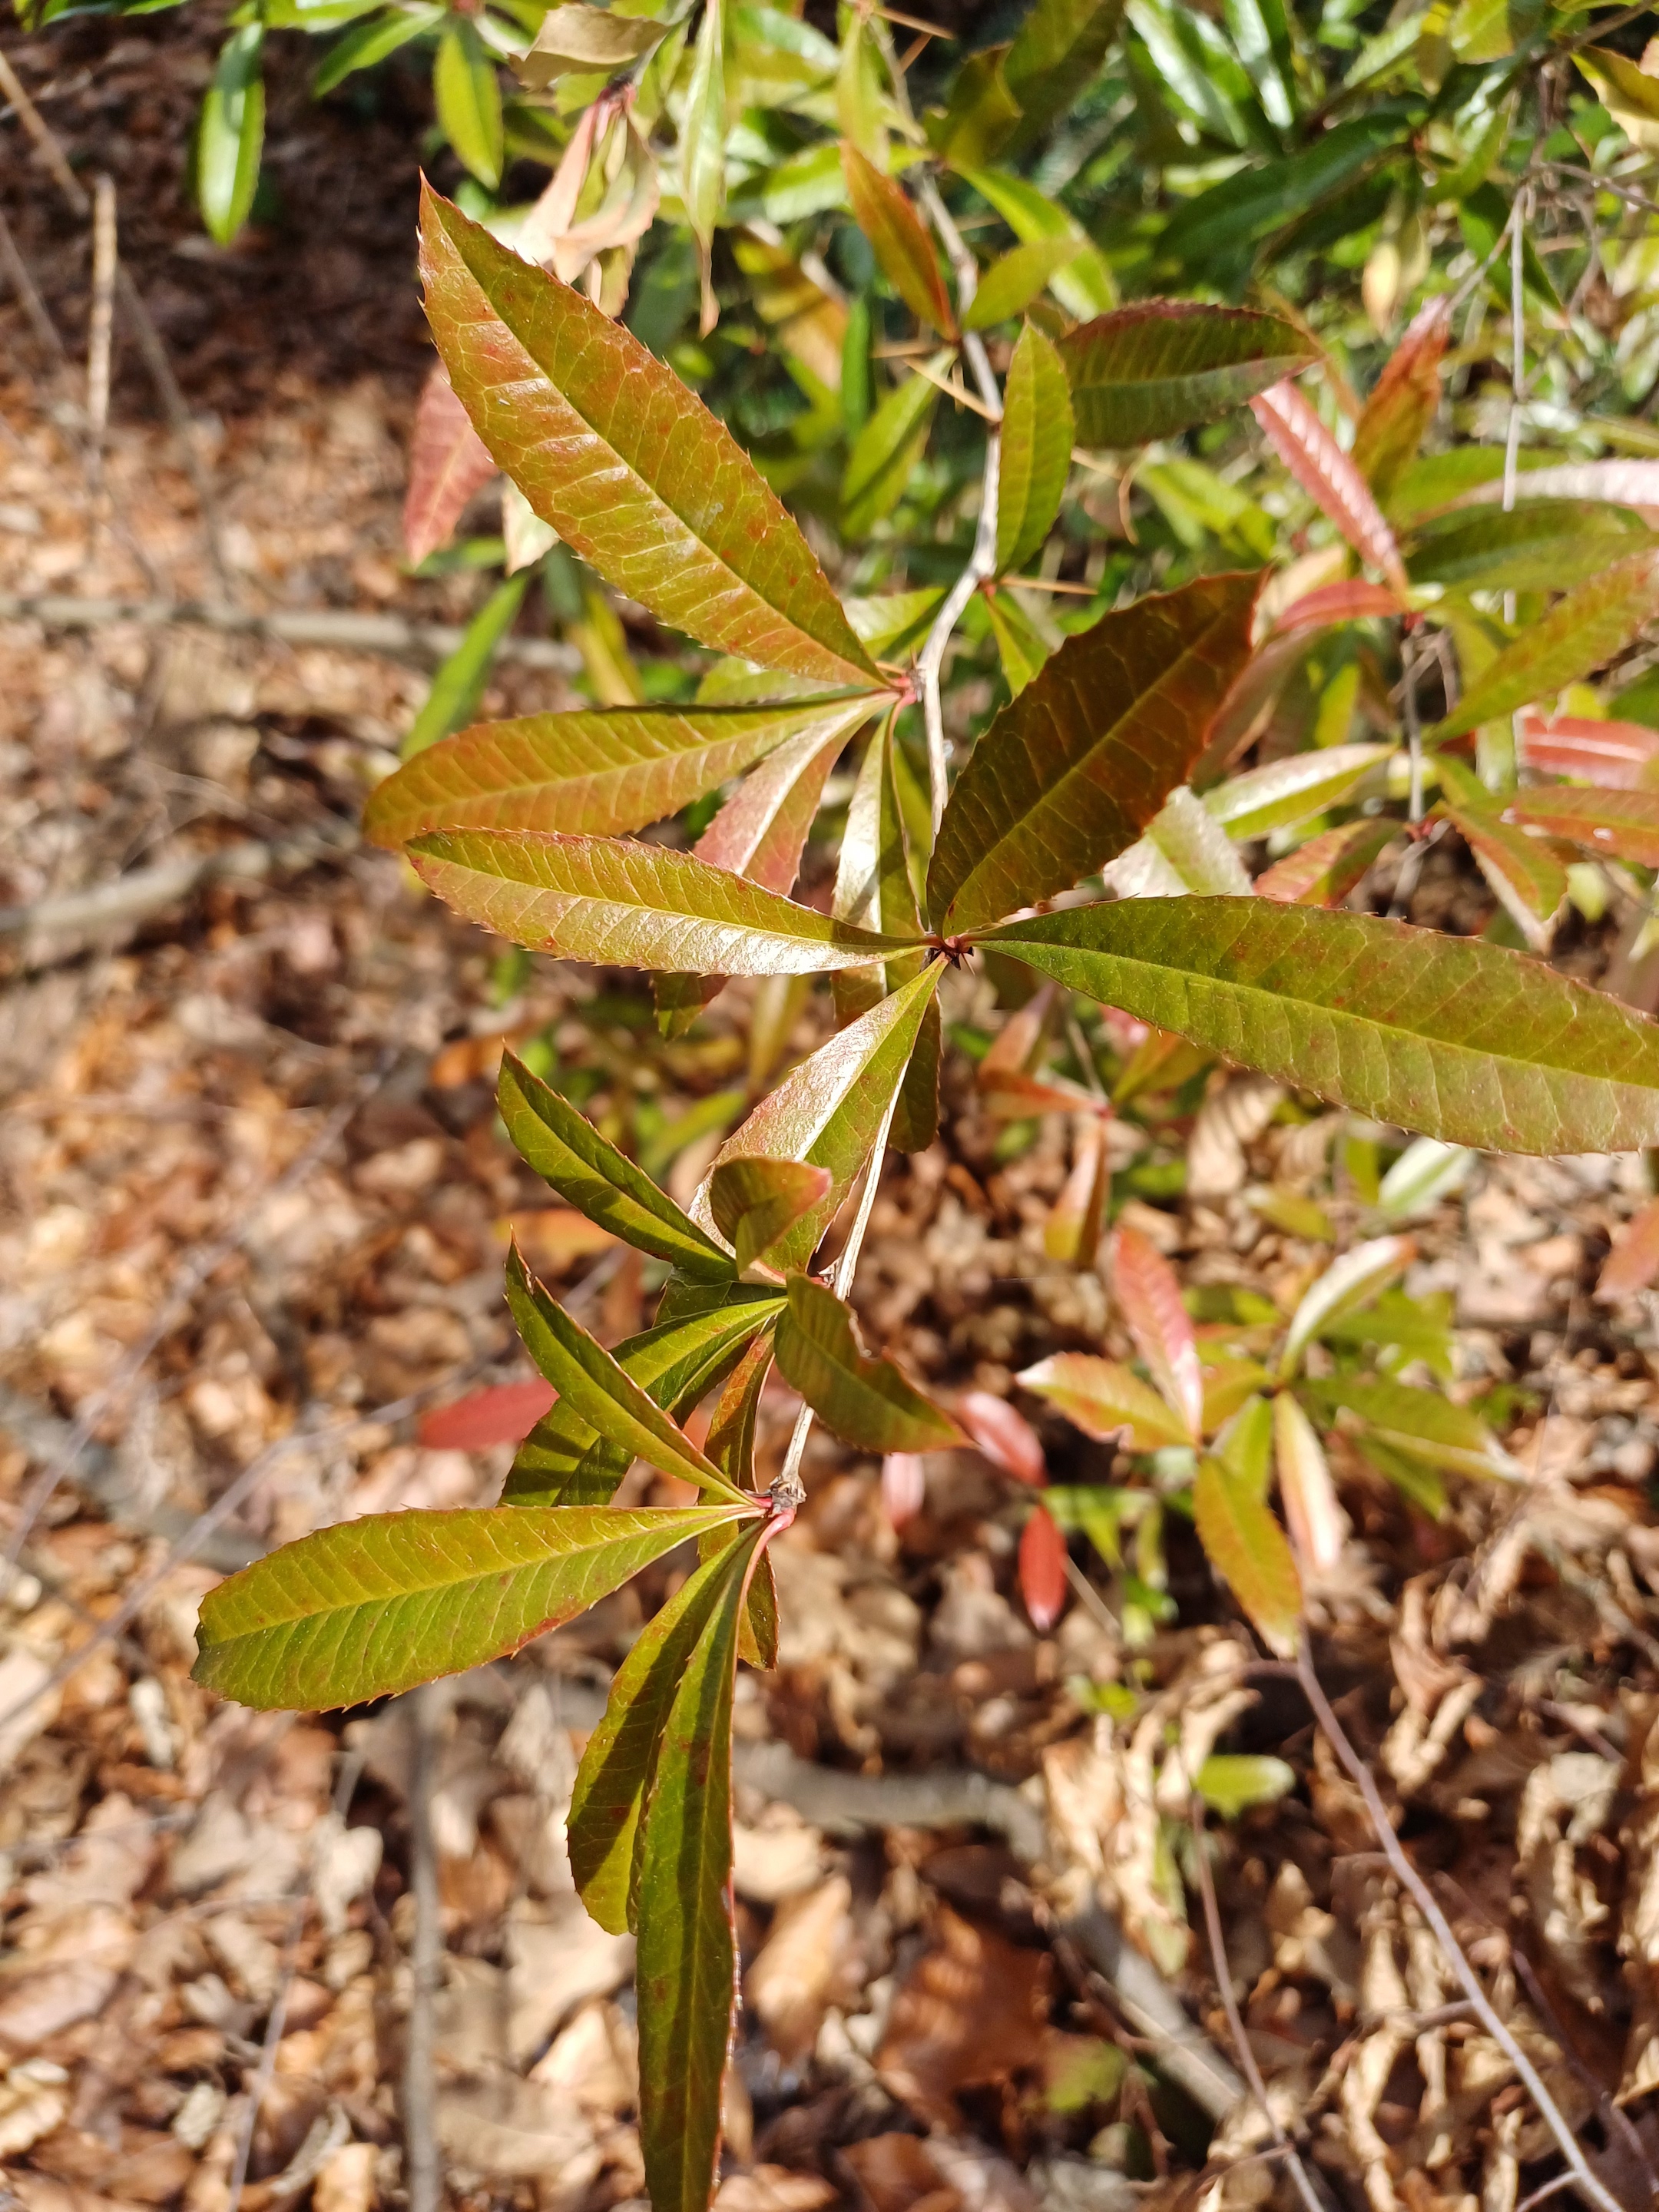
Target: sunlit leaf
x=468 y=96
x=1326 y=869
x=1541 y=546
x=1073 y=1229
x=886 y=451
x=1084 y=283
x=630 y=469
x=368 y=1608
x=1627 y=91
x=1232 y=1782
x=1058 y=51
x=504 y=1414
x=448 y=462
x=703 y=126
x=1150 y=1295
x=1403 y=399
x=1010 y=284
x=1622 y=824
x=754 y=1201
x=1163 y=366
x=1072 y=771
x=1422 y=1422
x=596 y=771
x=1426 y=1172
x=1106 y=1401
x=903 y=1486
x=575 y=37
x=1246 y=1545
x=1618 y=756
x=1041 y=1567
x=371 y=40
x=1021 y=648
x=1329 y=478
x=883 y=213
x=1527 y=879
x=1185 y=851
x=868 y=1403
x=1037 y=434
x=1577 y=635
x=980 y=114
x=1004 y=1435
x=230 y=134
x=459 y=683
x=1285 y=792
x=1350 y=1281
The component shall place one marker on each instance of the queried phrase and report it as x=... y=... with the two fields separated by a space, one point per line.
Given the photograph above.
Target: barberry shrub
x=1092 y=835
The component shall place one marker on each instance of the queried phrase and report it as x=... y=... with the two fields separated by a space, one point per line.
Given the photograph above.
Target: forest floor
x=253 y=1203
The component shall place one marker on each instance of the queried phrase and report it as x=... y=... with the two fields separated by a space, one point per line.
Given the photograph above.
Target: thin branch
x=100 y=322
x=1580 y=2174
x=35 y=307
x=1517 y=358
x=423 y=2177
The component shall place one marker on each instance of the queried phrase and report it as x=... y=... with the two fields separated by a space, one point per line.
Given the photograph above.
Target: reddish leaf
x=1006 y=1439
x=1404 y=398
x=902 y=247
x=1327 y=474
x=1618 y=756
x=449 y=461
x=1042 y=1570
x=762 y=830
x=1623 y=824
x=903 y=1486
x=502 y=1415
x=1352 y=598
x=1071 y=1232
x=1634 y=1259
x=1325 y=870
x=1526 y=877
x=1149 y=1295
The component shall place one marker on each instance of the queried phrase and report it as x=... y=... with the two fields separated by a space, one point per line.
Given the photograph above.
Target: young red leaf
x=1633 y=1261
x=1246 y=1544
x=1042 y=1570
x=1622 y=824
x=1448 y=1036
x=1527 y=879
x=903 y=246
x=1325 y=870
x=448 y=462
x=504 y=1414
x=1618 y=756
x=1149 y=1295
x=1071 y=773
x=1006 y=1436
x=1163 y=366
x=368 y=1608
x=1404 y=398
x=626 y=463
x=1329 y=478
x=1105 y=1401
x=903 y=1486
x=1305 y=1489
x=1352 y=598
x=1578 y=635
x=867 y=1403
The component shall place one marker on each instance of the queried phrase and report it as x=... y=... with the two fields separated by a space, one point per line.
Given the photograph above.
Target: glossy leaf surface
x=1329 y=478
x=1285 y=792
x=1577 y=636
x=369 y=1608
x=1246 y=1544
x=619 y=903
x=630 y=469
x=1305 y=1489
x=868 y=1403
x=1163 y=366
x=1447 y=1036
x=1620 y=755
x=1041 y=1569
x=1070 y=772
x=755 y=1201
x=882 y=212
x=1038 y=434
x=1350 y=1281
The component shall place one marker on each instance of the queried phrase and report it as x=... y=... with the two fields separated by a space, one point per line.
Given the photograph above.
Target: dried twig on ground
x=423 y=2176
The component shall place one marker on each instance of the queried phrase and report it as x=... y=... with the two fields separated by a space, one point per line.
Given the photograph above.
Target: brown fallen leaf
x=794 y=1974
x=897 y=2173
x=968 y=2013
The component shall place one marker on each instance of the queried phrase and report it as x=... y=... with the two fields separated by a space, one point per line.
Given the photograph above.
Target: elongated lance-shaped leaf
x=621 y=903
x=1246 y=1544
x=589 y=1380
x=626 y=463
x=1038 y=431
x=1577 y=636
x=1618 y=756
x=1526 y=877
x=1541 y=546
x=703 y=122
x=1021 y=646
x=884 y=215
x=1305 y=1489
x=754 y=1201
x=1325 y=870
x=1185 y=850
x=1329 y=478
x=616 y=1767
x=448 y=463
x=1163 y=366
x=873 y=885
x=1149 y=1295
x=1421 y=1422
x=829 y=1111
x=1449 y=1036
x=1072 y=1229
x=868 y=1403
x=1060 y=47
x=568 y=1151
x=566 y=1461
x=886 y=451
x=1350 y=1281
x=1070 y=773
x=1041 y=1569
x=1404 y=398
x=1634 y=1259
x=596 y=771
x=1285 y=792
x=1008 y=287
x=369 y=1608
x=685 y=1973
x=1622 y=824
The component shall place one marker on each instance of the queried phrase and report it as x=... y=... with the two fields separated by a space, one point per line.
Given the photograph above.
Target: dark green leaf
x=369 y=1608
x=629 y=468
x=885 y=453
x=1162 y=366
x=371 y=41
x=1449 y=1036
x=1037 y=435
x=1221 y=226
x=867 y=1403
x=1070 y=773
x=1060 y=47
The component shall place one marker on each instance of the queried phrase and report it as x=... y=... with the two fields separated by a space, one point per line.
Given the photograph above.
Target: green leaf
x=1286 y=791
x=620 y=903
x=370 y=42
x=1185 y=851
x=591 y=1383
x=1084 y=283
x=616 y=1767
x=873 y=885
x=829 y=1111
x=632 y=470
x=1622 y=824
x=703 y=126
x=1225 y=223
x=1038 y=436
x=884 y=215
x=230 y=134
x=1404 y=400
x=598 y=771
x=1421 y=1422
x=685 y=1973
x=979 y=115
x=468 y=94
x=1059 y=48
x=1230 y=1783
x=1540 y=546
x=1446 y=1036
x=575 y=38
x=754 y=1201
x=565 y=1459
x=1245 y=1543
x=1348 y=1282
x=370 y=1607
x=1021 y=646
x=1009 y=285
x=1527 y=880
x=566 y=1150
x=1627 y=91
x=867 y=1403
x=1579 y=634
x=459 y=684
x=1489 y=30
x=1072 y=771
x=885 y=453
x=1163 y=366
x=1106 y=1401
